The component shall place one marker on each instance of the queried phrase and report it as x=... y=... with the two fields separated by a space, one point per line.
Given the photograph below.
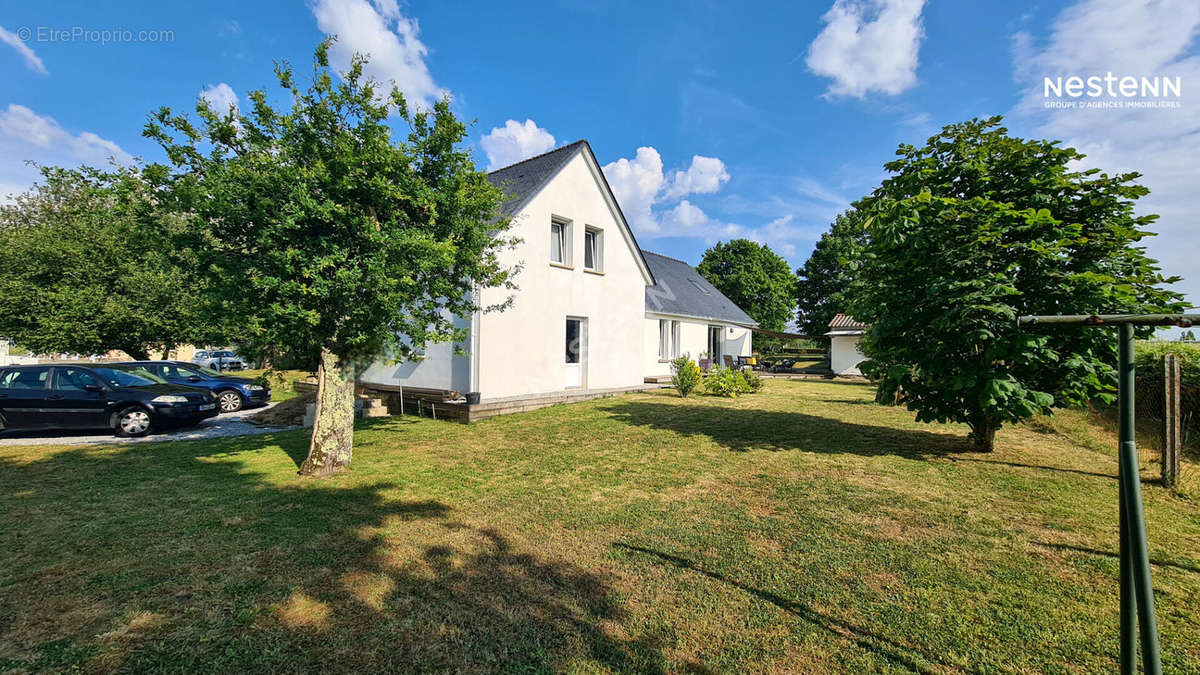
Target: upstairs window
x=593 y=251
x=559 y=242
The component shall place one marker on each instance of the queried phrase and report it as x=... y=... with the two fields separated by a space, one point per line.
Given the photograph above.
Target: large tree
x=824 y=282
x=337 y=236
x=969 y=232
x=755 y=278
x=92 y=261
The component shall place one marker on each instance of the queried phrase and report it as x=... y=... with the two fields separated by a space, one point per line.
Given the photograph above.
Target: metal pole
x=1125 y=392
x=1134 y=550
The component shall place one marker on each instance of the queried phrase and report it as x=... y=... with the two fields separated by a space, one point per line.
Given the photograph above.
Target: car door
x=177 y=374
x=22 y=396
x=76 y=399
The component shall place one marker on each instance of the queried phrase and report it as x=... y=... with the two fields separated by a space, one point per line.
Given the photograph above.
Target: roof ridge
x=530 y=159
x=667 y=257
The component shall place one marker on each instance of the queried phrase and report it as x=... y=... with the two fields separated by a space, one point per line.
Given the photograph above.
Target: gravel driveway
x=221 y=426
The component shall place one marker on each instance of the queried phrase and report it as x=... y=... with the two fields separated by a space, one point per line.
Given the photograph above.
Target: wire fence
x=1163 y=424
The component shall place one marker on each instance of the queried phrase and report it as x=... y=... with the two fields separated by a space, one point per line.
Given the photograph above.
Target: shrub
x=753 y=381
x=722 y=381
x=1148 y=356
x=685 y=375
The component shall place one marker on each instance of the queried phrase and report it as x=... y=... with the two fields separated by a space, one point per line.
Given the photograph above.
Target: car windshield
x=132 y=376
x=205 y=371
x=223 y=355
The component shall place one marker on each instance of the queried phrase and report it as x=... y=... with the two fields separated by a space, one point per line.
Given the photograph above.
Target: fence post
x=1172 y=441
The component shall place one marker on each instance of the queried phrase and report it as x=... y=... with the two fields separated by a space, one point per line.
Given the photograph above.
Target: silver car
x=218 y=359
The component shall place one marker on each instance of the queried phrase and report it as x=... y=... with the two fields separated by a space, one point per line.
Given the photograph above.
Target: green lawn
x=280 y=380
x=800 y=529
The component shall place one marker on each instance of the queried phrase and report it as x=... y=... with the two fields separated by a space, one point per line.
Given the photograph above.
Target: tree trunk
x=167 y=351
x=333 y=430
x=983 y=431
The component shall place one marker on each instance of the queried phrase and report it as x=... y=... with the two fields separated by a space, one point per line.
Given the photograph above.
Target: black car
x=126 y=399
x=233 y=393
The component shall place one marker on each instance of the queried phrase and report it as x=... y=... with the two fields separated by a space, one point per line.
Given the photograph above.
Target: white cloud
x=868 y=45
x=1139 y=39
x=221 y=98
x=22 y=124
x=31 y=59
x=637 y=183
x=687 y=216
x=26 y=136
x=514 y=142
x=390 y=39
x=706 y=175
x=656 y=206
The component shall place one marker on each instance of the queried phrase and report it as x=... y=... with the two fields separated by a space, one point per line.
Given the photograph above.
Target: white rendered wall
x=439 y=369
x=522 y=349
x=844 y=355
x=693 y=340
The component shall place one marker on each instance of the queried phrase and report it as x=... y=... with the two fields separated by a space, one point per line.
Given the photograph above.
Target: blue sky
x=713 y=120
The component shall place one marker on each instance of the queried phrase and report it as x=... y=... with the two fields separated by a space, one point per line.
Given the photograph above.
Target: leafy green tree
x=91 y=261
x=334 y=238
x=969 y=232
x=824 y=282
x=755 y=278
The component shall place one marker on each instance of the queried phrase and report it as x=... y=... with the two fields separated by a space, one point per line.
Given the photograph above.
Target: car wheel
x=133 y=422
x=230 y=401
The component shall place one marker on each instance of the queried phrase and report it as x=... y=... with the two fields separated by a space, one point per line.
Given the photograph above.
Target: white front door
x=576 y=353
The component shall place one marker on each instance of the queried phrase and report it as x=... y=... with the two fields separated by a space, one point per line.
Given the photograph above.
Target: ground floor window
x=668 y=339
x=573 y=340
x=714 y=343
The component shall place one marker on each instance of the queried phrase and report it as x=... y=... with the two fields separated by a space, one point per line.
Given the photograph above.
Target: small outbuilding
x=844 y=352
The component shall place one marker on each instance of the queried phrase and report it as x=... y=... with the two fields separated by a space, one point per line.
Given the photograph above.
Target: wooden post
x=1172 y=440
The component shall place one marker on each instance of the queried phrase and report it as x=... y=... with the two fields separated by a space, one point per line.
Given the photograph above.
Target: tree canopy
x=972 y=230
x=755 y=278
x=334 y=235
x=92 y=261
x=824 y=282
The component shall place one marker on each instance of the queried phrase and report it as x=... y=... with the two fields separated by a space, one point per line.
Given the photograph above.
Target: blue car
x=233 y=393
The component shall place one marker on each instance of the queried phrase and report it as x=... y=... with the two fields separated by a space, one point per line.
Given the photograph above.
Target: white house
x=844 y=352
x=685 y=314
x=577 y=319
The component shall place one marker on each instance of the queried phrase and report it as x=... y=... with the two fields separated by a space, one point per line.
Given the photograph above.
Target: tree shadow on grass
x=214 y=557
x=1184 y=566
x=743 y=429
x=876 y=644
x=1019 y=465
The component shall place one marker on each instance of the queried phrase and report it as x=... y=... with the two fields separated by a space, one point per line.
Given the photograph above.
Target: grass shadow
x=743 y=429
x=1184 y=566
x=1079 y=472
x=884 y=648
x=184 y=557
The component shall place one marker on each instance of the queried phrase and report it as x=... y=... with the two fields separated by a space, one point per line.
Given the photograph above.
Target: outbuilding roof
x=681 y=291
x=844 y=324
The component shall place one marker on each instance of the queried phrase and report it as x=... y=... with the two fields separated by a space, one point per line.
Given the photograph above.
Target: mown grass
x=800 y=529
x=280 y=380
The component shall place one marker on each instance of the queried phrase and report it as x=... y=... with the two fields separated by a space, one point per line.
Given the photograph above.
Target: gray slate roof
x=521 y=181
x=681 y=290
